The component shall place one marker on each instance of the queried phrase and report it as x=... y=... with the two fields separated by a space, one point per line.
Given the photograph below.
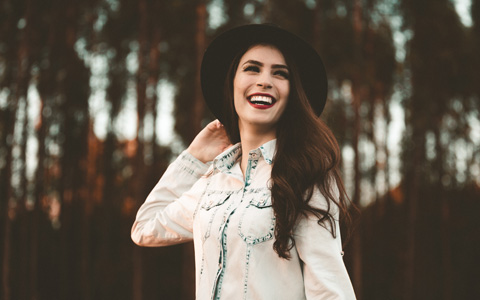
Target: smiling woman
x=261 y=89
x=263 y=213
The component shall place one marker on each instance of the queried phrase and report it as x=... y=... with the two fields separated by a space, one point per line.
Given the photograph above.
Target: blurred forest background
x=98 y=96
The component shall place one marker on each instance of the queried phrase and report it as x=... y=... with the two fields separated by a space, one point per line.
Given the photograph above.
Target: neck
x=252 y=139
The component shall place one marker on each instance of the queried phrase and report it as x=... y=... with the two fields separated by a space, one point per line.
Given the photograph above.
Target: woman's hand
x=210 y=142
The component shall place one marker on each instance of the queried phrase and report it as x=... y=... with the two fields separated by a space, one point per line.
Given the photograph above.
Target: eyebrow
x=255 y=62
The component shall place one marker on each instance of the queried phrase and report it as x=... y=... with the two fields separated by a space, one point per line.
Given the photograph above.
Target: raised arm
x=166 y=217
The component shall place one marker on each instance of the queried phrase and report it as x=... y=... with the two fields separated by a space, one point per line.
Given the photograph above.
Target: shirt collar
x=227 y=159
x=268 y=151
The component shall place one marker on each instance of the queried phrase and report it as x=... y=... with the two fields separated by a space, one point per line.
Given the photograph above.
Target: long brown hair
x=307 y=157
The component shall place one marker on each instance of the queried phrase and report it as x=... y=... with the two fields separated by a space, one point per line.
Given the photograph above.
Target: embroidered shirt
x=231 y=222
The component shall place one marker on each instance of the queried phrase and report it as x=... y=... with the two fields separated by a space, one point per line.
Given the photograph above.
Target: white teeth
x=262 y=99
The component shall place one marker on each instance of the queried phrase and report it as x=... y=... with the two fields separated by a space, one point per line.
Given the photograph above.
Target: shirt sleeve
x=166 y=217
x=324 y=272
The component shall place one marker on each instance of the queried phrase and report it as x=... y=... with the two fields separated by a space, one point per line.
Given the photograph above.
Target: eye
x=252 y=68
x=281 y=73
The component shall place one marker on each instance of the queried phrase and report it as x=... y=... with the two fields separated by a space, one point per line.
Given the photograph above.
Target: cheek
x=240 y=88
x=236 y=85
x=286 y=90
x=237 y=98
x=236 y=94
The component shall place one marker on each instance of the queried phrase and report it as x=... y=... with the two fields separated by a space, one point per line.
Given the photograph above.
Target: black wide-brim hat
x=223 y=49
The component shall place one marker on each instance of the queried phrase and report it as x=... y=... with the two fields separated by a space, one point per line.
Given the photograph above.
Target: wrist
x=197 y=153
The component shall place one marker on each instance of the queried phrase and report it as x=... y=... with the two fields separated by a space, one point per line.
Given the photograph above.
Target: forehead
x=264 y=53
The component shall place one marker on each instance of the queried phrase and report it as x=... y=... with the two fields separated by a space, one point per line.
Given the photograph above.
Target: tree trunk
x=188 y=291
x=443 y=204
x=136 y=190
x=411 y=197
x=356 y=102
x=6 y=195
x=357 y=237
x=199 y=104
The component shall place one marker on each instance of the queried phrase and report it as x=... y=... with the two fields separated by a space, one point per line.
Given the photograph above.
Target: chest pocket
x=212 y=200
x=257 y=221
x=211 y=205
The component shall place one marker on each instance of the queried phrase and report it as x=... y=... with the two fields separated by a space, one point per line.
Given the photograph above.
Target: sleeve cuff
x=192 y=165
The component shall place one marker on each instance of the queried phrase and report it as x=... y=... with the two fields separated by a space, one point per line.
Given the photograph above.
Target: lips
x=262 y=101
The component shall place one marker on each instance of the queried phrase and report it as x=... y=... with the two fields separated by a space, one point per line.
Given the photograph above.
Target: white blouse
x=231 y=222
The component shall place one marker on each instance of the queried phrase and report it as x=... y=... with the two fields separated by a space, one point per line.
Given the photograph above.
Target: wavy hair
x=307 y=158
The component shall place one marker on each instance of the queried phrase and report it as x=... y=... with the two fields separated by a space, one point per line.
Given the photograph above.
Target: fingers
x=218 y=124
x=214 y=125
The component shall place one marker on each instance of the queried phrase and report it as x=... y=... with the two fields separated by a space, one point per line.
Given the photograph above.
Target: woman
x=264 y=212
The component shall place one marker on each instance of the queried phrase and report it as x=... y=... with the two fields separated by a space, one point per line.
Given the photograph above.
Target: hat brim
x=223 y=49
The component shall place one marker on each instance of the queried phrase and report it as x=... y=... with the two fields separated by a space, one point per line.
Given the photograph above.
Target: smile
x=261 y=101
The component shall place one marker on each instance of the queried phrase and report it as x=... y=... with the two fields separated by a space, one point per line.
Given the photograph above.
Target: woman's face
x=261 y=88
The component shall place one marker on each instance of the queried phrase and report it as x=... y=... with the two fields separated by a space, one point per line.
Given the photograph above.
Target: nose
x=264 y=81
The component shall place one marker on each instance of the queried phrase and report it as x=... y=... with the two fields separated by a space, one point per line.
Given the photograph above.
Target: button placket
x=230 y=210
